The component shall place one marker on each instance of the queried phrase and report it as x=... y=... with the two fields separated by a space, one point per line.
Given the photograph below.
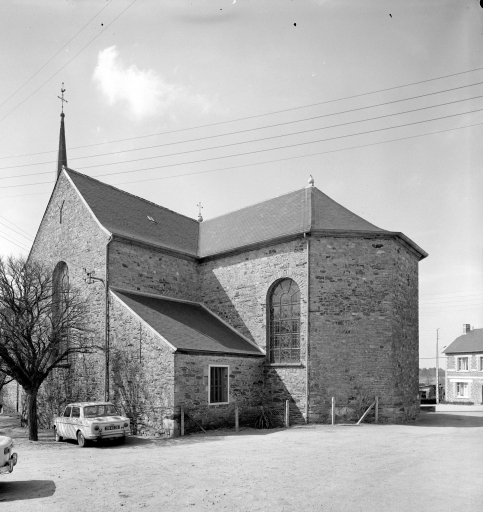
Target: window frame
x=467 y=387
x=480 y=362
x=468 y=363
x=293 y=334
x=210 y=366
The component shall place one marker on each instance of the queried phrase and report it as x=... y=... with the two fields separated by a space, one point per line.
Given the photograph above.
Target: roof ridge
x=130 y=194
x=254 y=204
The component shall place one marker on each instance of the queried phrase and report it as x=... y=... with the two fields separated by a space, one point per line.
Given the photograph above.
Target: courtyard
x=432 y=464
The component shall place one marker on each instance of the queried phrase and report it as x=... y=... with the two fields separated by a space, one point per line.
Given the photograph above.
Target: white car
x=8 y=459
x=91 y=421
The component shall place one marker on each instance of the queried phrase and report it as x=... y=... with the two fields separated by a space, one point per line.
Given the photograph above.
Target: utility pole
x=437 y=365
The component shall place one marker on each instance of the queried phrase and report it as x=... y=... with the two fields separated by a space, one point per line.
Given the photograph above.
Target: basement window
x=462 y=364
x=218 y=384
x=462 y=390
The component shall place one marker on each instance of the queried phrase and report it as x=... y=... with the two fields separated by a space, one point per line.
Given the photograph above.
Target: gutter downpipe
x=307 y=330
x=107 y=324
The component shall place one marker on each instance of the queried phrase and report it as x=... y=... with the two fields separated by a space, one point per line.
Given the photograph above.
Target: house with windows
x=464 y=368
x=294 y=298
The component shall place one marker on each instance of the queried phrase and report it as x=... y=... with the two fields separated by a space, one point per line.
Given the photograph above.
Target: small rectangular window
x=219 y=391
x=462 y=363
x=481 y=363
x=67 y=412
x=462 y=389
x=75 y=412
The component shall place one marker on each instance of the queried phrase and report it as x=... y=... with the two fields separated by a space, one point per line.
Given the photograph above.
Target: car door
x=62 y=422
x=74 y=422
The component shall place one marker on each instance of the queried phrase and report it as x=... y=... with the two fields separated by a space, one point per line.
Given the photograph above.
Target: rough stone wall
x=235 y=287
x=142 y=371
x=150 y=270
x=355 y=327
x=474 y=377
x=9 y=398
x=246 y=386
x=80 y=242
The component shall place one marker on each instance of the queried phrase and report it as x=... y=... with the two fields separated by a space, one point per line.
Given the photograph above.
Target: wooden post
x=333 y=411
x=236 y=418
x=182 y=420
x=376 y=412
x=287 y=413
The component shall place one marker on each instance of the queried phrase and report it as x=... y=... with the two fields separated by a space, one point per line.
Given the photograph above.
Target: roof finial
x=200 y=218
x=311 y=181
x=62 y=158
x=61 y=98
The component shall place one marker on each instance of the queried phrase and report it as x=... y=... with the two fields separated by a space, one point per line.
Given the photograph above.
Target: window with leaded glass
x=219 y=391
x=284 y=322
x=60 y=291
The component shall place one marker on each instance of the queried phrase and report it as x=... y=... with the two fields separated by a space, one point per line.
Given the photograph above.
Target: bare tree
x=42 y=324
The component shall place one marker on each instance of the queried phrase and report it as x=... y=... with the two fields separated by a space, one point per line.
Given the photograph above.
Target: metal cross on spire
x=62 y=90
x=200 y=218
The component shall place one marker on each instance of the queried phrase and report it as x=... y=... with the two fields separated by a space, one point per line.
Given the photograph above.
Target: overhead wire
x=255 y=129
x=68 y=62
x=258 y=115
x=55 y=55
x=15 y=231
x=12 y=241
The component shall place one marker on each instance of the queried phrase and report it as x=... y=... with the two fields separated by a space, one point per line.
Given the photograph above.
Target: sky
x=232 y=102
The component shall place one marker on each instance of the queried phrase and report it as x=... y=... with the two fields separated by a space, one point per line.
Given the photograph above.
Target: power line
x=6 y=237
x=245 y=165
x=246 y=153
x=259 y=115
x=250 y=130
x=57 y=72
x=28 y=234
x=53 y=56
x=15 y=231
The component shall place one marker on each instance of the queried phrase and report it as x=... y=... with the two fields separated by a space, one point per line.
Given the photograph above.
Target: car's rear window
x=93 y=411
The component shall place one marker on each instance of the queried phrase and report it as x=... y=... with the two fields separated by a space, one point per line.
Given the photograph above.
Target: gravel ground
x=432 y=464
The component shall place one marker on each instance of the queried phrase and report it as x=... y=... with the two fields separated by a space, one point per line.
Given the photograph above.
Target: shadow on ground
x=26 y=490
x=447 y=419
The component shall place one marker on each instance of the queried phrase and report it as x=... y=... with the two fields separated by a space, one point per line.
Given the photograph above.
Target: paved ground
x=433 y=464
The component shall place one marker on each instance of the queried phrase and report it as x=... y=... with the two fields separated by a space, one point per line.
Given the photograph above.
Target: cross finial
x=200 y=218
x=61 y=98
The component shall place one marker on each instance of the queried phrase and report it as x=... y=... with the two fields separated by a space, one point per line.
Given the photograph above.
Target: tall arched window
x=284 y=322
x=60 y=290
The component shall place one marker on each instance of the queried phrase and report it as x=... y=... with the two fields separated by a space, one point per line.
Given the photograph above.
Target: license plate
x=113 y=427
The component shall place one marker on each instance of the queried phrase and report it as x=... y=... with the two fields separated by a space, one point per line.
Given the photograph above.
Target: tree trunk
x=32 y=415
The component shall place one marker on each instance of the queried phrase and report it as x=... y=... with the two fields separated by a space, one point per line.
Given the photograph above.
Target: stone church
x=294 y=298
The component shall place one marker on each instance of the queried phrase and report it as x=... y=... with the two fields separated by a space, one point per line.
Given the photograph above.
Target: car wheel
x=58 y=438
x=81 y=440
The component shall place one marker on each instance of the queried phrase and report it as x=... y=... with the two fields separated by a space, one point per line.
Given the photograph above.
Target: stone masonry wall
x=68 y=232
x=150 y=270
x=354 y=327
x=246 y=386
x=474 y=378
x=235 y=287
x=142 y=371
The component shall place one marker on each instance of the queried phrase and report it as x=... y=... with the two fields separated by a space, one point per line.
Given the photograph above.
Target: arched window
x=60 y=290
x=284 y=322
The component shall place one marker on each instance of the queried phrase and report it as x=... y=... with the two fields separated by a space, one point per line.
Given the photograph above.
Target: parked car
x=8 y=459
x=91 y=421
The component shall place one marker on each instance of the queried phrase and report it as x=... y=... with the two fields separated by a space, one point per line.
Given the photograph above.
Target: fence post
x=333 y=411
x=236 y=418
x=376 y=412
x=287 y=413
x=182 y=420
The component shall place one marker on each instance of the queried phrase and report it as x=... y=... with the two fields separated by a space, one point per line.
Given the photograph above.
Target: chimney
x=466 y=328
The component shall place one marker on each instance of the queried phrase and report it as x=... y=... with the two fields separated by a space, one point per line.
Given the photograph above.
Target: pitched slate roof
x=297 y=212
x=188 y=326
x=125 y=214
x=469 y=342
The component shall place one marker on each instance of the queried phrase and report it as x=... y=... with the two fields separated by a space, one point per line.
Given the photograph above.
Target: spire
x=62 y=158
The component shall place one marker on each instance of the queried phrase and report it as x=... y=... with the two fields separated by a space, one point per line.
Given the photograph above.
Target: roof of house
x=469 y=342
x=188 y=326
x=298 y=212
x=125 y=214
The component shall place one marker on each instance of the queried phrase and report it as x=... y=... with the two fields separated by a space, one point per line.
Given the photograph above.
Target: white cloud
x=145 y=92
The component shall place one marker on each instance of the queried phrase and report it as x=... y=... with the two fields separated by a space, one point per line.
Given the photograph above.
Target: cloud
x=145 y=92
